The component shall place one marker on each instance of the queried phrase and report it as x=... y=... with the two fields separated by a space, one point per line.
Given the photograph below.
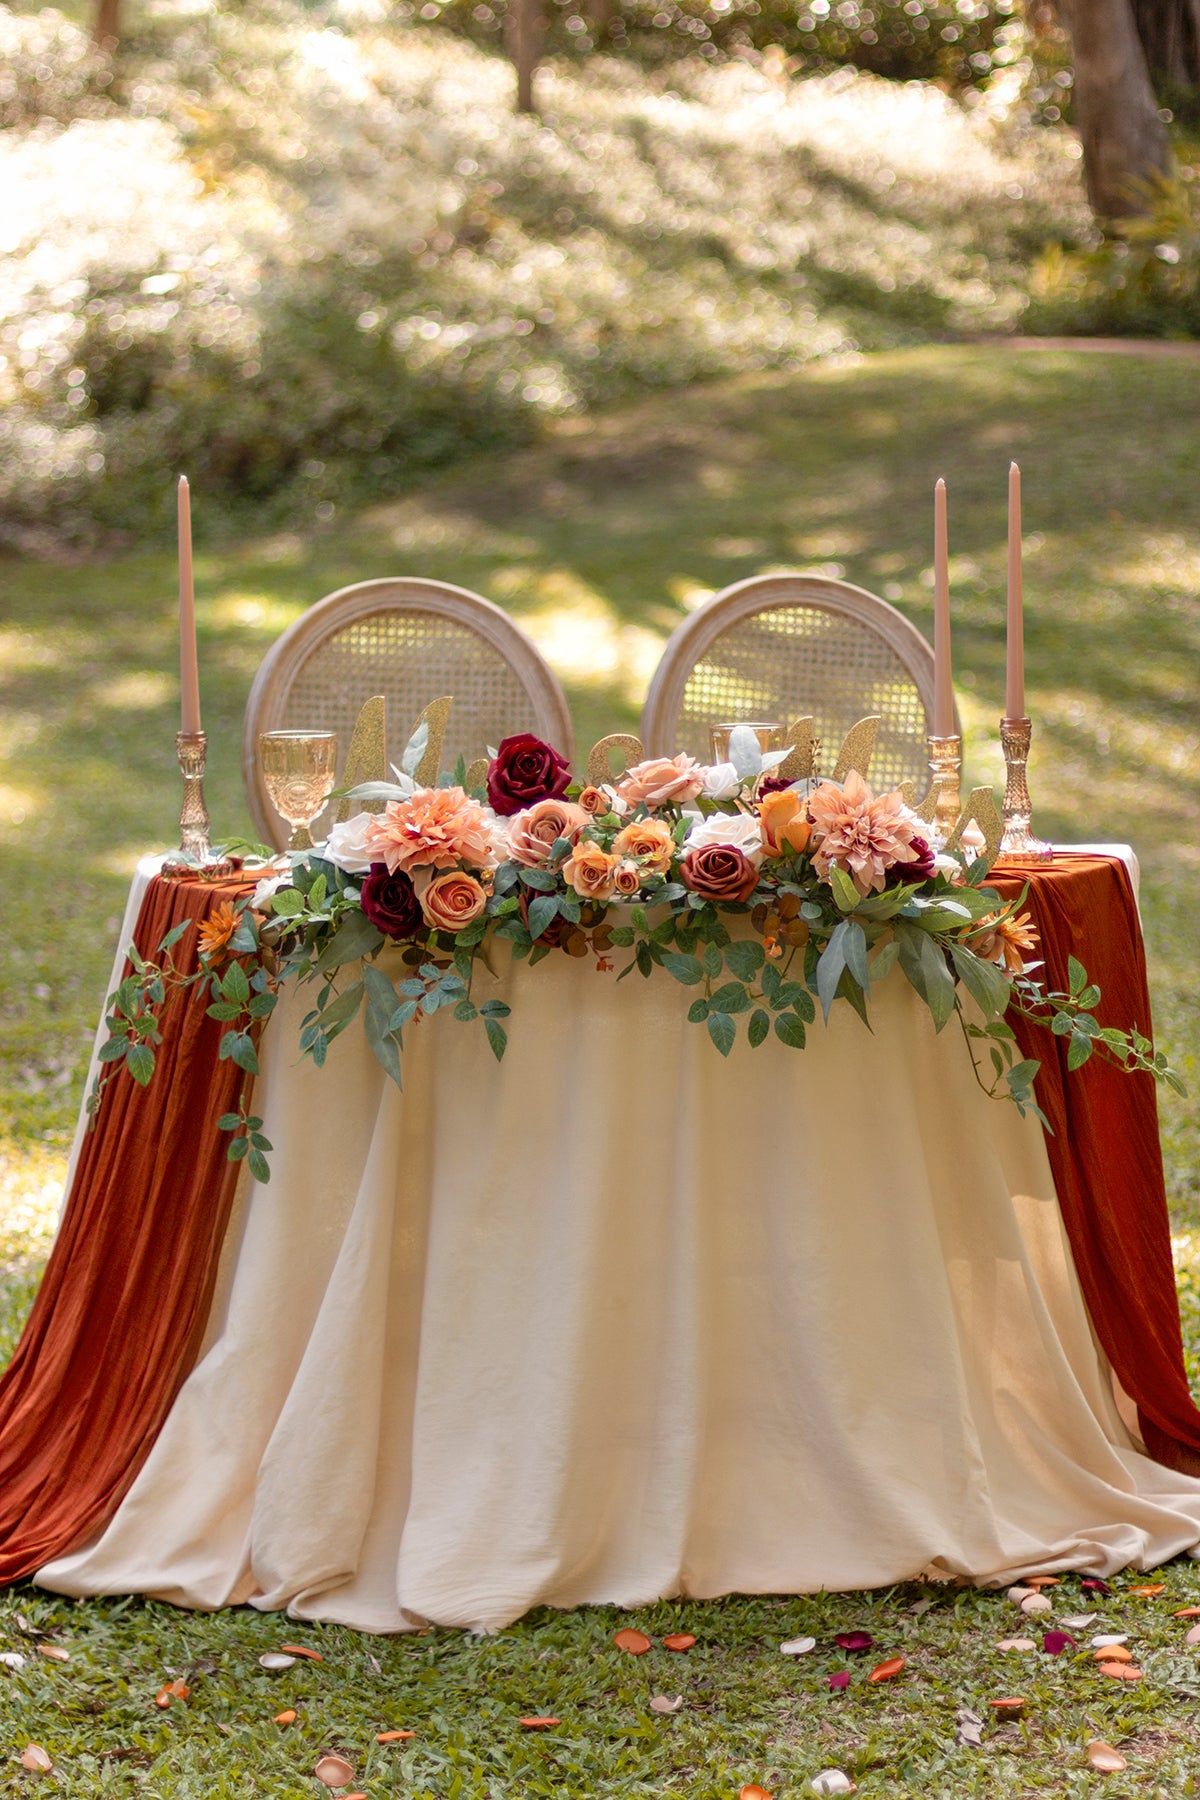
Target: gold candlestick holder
x=945 y=770
x=1018 y=839
x=192 y=749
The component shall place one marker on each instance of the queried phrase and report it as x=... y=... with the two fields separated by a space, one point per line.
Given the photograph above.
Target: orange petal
x=1187 y=1612
x=287 y=1717
x=636 y=1642
x=1149 y=1589
x=1112 y=1653
x=299 y=1650
x=885 y=1671
x=34 y=1757
x=393 y=1737
x=1009 y=1707
x=163 y=1697
x=334 y=1770
x=753 y=1792
x=55 y=1652
x=1122 y=1671
x=679 y=1640
x=1041 y=1581
x=539 y=1724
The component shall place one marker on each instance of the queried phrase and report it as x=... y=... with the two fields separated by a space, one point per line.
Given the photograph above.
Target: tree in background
x=1170 y=34
x=106 y=30
x=1125 y=144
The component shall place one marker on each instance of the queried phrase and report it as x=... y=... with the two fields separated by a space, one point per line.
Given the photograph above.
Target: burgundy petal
x=1055 y=1642
x=839 y=1680
x=1098 y=1586
x=854 y=1640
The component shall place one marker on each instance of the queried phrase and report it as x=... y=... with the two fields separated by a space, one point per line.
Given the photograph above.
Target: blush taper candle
x=943 y=678
x=1014 y=690
x=189 y=667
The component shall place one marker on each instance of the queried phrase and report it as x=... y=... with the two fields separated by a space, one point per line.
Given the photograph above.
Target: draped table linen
x=618 y=1318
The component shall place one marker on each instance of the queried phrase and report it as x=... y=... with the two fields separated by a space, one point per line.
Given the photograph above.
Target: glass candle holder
x=770 y=737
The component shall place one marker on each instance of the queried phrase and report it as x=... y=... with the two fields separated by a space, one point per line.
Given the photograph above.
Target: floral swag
x=840 y=886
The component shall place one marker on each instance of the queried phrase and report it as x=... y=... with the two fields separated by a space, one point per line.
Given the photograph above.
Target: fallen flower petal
x=887 y=1671
x=832 y=1781
x=1021 y=1592
x=1104 y=1759
x=854 y=1641
x=797 y=1646
x=1016 y=1644
x=334 y=1770
x=1042 y=1581
x=1055 y=1642
x=662 y=1703
x=393 y=1737
x=1193 y=1636
x=163 y=1697
x=679 y=1640
x=12 y=1659
x=1112 y=1653
x=1011 y=1707
x=35 y=1758
x=54 y=1652
x=753 y=1792
x=1036 y=1603
x=287 y=1717
x=1097 y=1586
x=1148 y=1589
x=299 y=1650
x=635 y=1642
x=1187 y=1612
x=1121 y=1671
x=275 y=1661
x=1110 y=1637
x=1080 y=1621
x=538 y=1724
x=838 y=1680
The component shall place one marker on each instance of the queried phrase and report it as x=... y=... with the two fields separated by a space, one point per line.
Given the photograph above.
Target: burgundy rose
x=523 y=770
x=773 y=784
x=924 y=869
x=719 y=872
x=390 y=902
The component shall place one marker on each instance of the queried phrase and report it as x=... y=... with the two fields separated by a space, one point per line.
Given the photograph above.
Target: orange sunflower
x=216 y=931
x=1007 y=940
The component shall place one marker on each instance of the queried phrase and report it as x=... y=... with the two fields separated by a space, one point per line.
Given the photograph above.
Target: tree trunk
x=1124 y=140
x=1170 y=35
x=599 y=14
x=106 y=31
x=525 y=27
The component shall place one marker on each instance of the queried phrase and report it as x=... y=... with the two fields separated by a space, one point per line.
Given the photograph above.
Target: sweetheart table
x=614 y=1319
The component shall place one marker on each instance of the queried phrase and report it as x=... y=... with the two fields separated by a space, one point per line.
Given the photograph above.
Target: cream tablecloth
x=618 y=1319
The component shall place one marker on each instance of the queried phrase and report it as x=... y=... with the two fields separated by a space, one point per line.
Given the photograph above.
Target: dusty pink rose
x=627 y=880
x=532 y=834
x=648 y=839
x=864 y=835
x=435 y=828
x=450 y=901
x=662 y=781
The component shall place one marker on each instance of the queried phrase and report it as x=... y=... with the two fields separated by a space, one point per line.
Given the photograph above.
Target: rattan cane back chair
x=782 y=647
x=411 y=641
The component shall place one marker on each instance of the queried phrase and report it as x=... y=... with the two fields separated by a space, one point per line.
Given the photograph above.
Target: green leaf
x=262 y=1005
x=790 y=1030
x=831 y=966
x=645 y=961
x=759 y=1026
x=238 y=1149
x=622 y=936
x=381 y=1004
x=354 y=937
x=927 y=970
x=771 y=979
x=985 y=981
x=744 y=958
x=1076 y=974
x=229 y=1122
x=687 y=969
x=287 y=902
x=497 y=1037
x=698 y=1011
x=140 y=1063
x=173 y=936
x=845 y=893
x=241 y=1050
x=1079 y=1049
x=495 y=1009
x=339 y=1011
x=114 y=1049
x=731 y=998
x=541 y=880
x=317 y=893
x=855 y=944
x=713 y=961
x=722 y=1031
x=884 y=960
x=637 y=918
x=466 y=1010
x=260 y=1168
x=542 y=912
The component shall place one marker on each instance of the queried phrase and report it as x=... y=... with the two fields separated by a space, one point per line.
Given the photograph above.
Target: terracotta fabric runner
x=1105 y=1153
x=121 y=1310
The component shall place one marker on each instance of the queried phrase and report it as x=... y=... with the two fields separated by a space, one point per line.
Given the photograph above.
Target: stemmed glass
x=299 y=769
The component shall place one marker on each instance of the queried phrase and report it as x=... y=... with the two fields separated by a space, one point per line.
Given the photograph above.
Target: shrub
x=1141 y=281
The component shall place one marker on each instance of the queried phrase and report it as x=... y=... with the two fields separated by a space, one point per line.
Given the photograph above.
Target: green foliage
x=1143 y=280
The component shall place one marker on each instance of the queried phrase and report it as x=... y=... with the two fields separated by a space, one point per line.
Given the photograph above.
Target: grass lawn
x=597 y=540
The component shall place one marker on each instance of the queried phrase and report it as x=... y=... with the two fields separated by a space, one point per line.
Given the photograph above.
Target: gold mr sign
x=366 y=760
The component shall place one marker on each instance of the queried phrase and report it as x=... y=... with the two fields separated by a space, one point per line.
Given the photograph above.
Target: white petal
x=832 y=1781
x=1110 y=1637
x=798 y=1646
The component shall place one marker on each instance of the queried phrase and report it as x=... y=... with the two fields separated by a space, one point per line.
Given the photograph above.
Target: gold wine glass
x=299 y=769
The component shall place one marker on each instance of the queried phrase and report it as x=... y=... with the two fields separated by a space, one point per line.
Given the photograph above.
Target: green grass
x=596 y=541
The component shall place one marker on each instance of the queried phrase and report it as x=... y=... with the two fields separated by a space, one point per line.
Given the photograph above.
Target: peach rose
x=534 y=832
x=595 y=800
x=627 y=880
x=662 y=781
x=783 y=821
x=450 y=901
x=648 y=839
x=591 y=871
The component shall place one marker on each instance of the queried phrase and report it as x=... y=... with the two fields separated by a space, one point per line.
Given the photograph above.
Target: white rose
x=346 y=845
x=741 y=830
x=721 y=781
x=270 y=884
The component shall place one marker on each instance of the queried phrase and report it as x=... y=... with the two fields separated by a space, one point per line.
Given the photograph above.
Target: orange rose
x=534 y=832
x=450 y=901
x=648 y=839
x=595 y=801
x=591 y=871
x=783 y=822
x=662 y=780
x=627 y=880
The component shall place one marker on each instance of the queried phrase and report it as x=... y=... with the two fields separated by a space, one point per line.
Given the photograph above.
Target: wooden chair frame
x=694 y=636
x=265 y=708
